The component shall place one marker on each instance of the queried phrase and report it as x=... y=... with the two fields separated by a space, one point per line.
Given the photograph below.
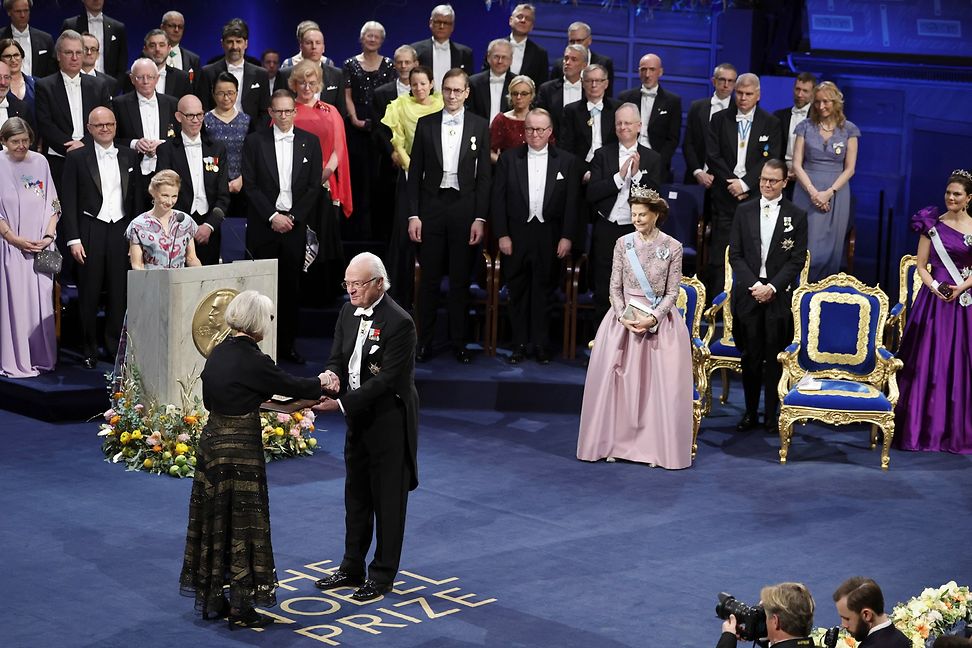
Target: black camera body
x=750 y=619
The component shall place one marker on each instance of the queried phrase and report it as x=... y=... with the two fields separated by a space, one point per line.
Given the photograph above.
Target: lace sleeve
x=617 y=278
x=672 y=282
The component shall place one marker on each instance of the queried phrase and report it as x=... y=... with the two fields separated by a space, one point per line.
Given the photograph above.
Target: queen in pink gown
x=29 y=211
x=638 y=394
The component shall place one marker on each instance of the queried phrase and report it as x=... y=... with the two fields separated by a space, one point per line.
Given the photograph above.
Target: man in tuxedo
x=739 y=140
x=440 y=53
x=553 y=95
x=253 y=97
x=270 y=61
x=661 y=111
x=171 y=81
x=448 y=194
x=697 y=123
x=113 y=56
x=99 y=200
x=405 y=59
x=528 y=57
x=174 y=26
x=146 y=118
x=860 y=605
x=63 y=100
x=38 y=45
x=371 y=372
x=614 y=168
x=282 y=170
x=789 y=617
x=767 y=250
x=489 y=90
x=89 y=58
x=10 y=105
x=588 y=125
x=791 y=117
x=332 y=79
x=534 y=218
x=201 y=163
x=579 y=33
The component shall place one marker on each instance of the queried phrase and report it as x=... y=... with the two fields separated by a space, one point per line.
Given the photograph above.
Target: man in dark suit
x=371 y=372
x=553 y=95
x=38 y=45
x=270 y=61
x=171 y=81
x=534 y=218
x=788 y=608
x=332 y=79
x=90 y=58
x=58 y=124
x=661 y=112
x=589 y=125
x=146 y=118
x=113 y=58
x=528 y=57
x=697 y=123
x=405 y=59
x=282 y=170
x=99 y=200
x=440 y=53
x=10 y=105
x=791 y=117
x=579 y=33
x=254 y=84
x=489 y=90
x=860 y=606
x=448 y=193
x=174 y=26
x=201 y=163
x=739 y=140
x=767 y=250
x=614 y=168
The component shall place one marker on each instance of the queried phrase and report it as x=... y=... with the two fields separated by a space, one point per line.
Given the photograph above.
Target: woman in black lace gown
x=228 y=539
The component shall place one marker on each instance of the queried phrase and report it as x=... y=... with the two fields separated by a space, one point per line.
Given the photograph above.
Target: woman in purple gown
x=29 y=211
x=936 y=383
x=638 y=393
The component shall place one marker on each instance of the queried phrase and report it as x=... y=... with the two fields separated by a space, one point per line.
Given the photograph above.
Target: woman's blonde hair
x=166 y=177
x=834 y=94
x=302 y=70
x=520 y=79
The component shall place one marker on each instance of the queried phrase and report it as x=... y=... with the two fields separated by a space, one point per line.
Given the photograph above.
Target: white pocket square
x=763 y=138
x=39 y=52
x=373 y=349
x=560 y=176
x=332 y=87
x=662 y=112
x=113 y=37
x=255 y=85
x=305 y=161
x=130 y=169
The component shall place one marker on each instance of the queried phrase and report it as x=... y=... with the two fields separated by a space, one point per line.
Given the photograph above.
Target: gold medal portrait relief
x=208 y=324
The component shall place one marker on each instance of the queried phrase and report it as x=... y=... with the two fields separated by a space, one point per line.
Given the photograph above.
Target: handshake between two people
x=330 y=385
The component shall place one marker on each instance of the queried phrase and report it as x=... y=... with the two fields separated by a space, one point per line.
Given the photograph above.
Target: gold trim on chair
x=700 y=354
x=863 y=317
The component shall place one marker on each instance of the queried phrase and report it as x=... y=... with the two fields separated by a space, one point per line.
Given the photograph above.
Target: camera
x=750 y=619
x=831 y=637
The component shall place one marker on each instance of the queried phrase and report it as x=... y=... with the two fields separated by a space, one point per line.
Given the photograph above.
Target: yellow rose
x=125 y=437
x=297 y=416
x=278 y=431
x=147 y=464
x=137 y=434
x=181 y=448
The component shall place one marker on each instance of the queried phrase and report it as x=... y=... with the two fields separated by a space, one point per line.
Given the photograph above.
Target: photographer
x=860 y=605
x=789 y=617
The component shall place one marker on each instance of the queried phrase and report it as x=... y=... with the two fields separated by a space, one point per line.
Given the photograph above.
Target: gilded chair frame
x=700 y=353
x=881 y=377
x=907 y=291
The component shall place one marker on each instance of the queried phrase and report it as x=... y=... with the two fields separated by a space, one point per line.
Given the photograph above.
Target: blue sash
x=639 y=272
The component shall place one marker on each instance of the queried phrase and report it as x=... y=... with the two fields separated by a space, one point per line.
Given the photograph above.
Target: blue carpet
x=510 y=540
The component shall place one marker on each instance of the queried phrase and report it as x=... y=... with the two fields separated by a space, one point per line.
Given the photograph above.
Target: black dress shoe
x=370 y=590
x=747 y=422
x=249 y=618
x=90 y=362
x=519 y=355
x=463 y=356
x=295 y=357
x=338 y=579
x=543 y=357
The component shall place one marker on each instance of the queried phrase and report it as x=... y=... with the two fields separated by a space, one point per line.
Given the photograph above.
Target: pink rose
x=295 y=432
x=109 y=414
x=183 y=438
x=283 y=418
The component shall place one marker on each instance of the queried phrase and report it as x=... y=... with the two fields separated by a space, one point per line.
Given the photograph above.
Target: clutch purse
x=48 y=261
x=635 y=308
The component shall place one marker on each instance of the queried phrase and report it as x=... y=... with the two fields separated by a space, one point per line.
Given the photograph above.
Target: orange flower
x=118 y=395
x=297 y=416
x=114 y=420
x=190 y=420
x=923 y=630
x=157 y=448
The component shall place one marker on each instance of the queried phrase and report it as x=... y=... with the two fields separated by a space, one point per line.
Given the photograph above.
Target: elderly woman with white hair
x=228 y=538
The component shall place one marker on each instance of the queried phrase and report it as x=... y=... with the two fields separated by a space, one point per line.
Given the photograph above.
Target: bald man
x=661 y=110
x=201 y=163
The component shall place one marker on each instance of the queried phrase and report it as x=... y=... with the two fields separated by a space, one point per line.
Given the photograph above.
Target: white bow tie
x=537 y=154
x=188 y=144
x=74 y=83
x=19 y=34
x=106 y=154
x=454 y=120
x=442 y=47
x=367 y=312
x=3 y=103
x=286 y=137
x=595 y=109
x=722 y=103
x=497 y=79
x=100 y=18
x=518 y=45
x=233 y=69
x=744 y=118
x=142 y=101
x=801 y=112
x=645 y=92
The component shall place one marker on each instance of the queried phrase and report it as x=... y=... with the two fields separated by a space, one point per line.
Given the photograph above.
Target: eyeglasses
x=92 y=50
x=725 y=81
x=105 y=126
x=442 y=23
x=771 y=181
x=530 y=130
x=521 y=93
x=282 y=113
x=193 y=116
x=11 y=57
x=174 y=26
x=146 y=77
x=453 y=91
x=355 y=285
x=595 y=81
x=307 y=84
x=223 y=94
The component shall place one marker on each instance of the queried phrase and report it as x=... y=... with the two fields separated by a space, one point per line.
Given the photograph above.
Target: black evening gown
x=228 y=537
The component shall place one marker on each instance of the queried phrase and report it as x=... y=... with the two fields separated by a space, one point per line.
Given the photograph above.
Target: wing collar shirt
x=496 y=88
x=572 y=91
x=744 y=128
x=364 y=327
x=160 y=82
x=175 y=57
x=96 y=27
x=3 y=109
x=402 y=88
x=283 y=148
x=797 y=115
x=518 y=50
x=451 y=144
x=200 y=204
x=769 y=212
x=536 y=181
x=23 y=39
x=621 y=212
x=237 y=71
x=148 y=112
x=647 y=104
x=716 y=104
x=111 y=204
x=595 y=110
x=441 y=61
x=73 y=89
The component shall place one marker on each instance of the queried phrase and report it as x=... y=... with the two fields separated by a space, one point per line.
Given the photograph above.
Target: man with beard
x=860 y=605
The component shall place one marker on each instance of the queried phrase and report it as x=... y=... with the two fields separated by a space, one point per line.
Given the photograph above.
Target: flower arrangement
x=934 y=612
x=287 y=435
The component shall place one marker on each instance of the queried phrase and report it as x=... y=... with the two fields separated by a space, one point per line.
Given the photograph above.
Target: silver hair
x=633 y=106
x=68 y=34
x=16 y=126
x=250 y=312
x=443 y=10
x=577 y=47
x=407 y=48
x=591 y=68
x=579 y=25
x=372 y=25
x=376 y=265
x=499 y=42
x=172 y=14
x=748 y=80
x=142 y=60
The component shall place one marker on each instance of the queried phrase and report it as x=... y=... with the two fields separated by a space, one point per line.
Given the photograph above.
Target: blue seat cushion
x=845 y=395
x=695 y=394
x=725 y=348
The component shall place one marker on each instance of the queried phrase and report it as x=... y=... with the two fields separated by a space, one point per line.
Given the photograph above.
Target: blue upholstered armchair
x=690 y=302
x=838 y=324
x=909 y=281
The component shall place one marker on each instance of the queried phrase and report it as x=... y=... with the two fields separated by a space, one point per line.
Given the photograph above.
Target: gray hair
x=591 y=68
x=68 y=34
x=142 y=59
x=250 y=312
x=577 y=47
x=748 y=80
x=172 y=14
x=16 y=126
x=633 y=106
x=499 y=42
x=376 y=265
x=372 y=25
x=407 y=49
x=579 y=25
x=443 y=10
x=8 y=4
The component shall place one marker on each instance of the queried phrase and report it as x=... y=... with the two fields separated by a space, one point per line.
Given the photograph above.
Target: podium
x=175 y=317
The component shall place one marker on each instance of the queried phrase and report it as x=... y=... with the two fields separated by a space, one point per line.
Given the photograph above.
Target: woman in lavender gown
x=824 y=159
x=29 y=211
x=936 y=383
x=638 y=393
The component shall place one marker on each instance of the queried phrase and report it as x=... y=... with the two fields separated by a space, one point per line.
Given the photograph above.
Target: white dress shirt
x=451 y=144
x=621 y=212
x=647 y=104
x=283 y=148
x=716 y=104
x=237 y=71
x=769 y=213
x=73 y=89
x=23 y=39
x=536 y=181
x=175 y=57
x=3 y=109
x=200 y=204
x=744 y=131
x=160 y=82
x=572 y=91
x=797 y=115
x=496 y=89
x=518 y=50
x=402 y=88
x=111 y=203
x=441 y=62
x=96 y=27
x=354 y=363
x=148 y=112
x=595 y=110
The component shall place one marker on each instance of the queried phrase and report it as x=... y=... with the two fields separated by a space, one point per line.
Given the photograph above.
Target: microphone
x=242 y=243
x=218 y=214
x=180 y=216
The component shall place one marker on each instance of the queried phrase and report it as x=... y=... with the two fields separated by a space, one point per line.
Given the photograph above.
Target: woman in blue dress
x=224 y=123
x=824 y=158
